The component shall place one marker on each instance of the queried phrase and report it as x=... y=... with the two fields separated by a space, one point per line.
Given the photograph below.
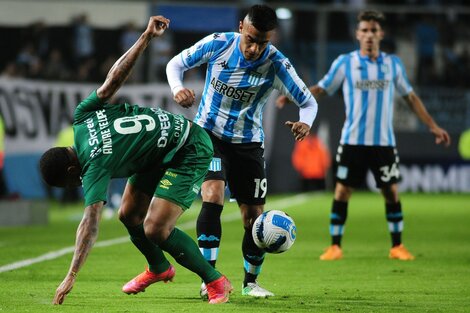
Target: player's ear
x=240 y=27
x=357 y=33
x=73 y=170
x=382 y=34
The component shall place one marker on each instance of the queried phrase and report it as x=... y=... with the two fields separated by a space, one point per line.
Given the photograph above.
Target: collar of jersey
x=366 y=57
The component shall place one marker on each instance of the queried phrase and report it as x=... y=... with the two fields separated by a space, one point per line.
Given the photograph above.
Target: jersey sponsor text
x=372 y=84
x=107 y=143
x=105 y=132
x=231 y=92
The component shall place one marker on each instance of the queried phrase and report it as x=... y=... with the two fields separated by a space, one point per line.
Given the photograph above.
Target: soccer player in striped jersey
x=369 y=79
x=242 y=70
x=166 y=158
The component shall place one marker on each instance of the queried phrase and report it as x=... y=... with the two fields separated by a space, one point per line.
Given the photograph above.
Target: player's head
x=369 y=30
x=60 y=168
x=256 y=31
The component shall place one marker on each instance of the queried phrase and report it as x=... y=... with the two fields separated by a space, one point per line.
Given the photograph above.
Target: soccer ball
x=274 y=231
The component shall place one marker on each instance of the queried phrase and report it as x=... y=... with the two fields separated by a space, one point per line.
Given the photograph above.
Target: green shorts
x=180 y=181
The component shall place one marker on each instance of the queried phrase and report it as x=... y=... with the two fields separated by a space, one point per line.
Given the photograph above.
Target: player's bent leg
x=186 y=253
x=134 y=206
x=339 y=213
x=252 y=267
x=208 y=225
x=338 y=217
x=182 y=247
x=209 y=231
x=133 y=209
x=159 y=269
x=145 y=279
x=394 y=216
x=253 y=256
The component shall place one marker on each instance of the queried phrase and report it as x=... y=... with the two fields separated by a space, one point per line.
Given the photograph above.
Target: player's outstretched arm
x=87 y=233
x=420 y=110
x=121 y=70
x=316 y=91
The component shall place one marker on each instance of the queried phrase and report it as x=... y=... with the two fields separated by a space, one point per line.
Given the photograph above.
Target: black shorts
x=242 y=166
x=354 y=161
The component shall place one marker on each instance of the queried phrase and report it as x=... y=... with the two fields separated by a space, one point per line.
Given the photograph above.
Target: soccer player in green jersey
x=165 y=157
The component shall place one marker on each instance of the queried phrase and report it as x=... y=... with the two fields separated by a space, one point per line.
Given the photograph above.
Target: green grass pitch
x=437 y=232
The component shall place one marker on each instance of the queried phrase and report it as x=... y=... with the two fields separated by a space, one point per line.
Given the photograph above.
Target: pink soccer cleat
x=145 y=279
x=219 y=290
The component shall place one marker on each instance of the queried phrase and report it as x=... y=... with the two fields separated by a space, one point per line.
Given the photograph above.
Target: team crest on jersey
x=216 y=165
x=384 y=68
x=254 y=78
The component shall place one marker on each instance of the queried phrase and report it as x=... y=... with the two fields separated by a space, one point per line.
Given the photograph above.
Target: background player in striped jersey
x=369 y=80
x=242 y=70
x=166 y=158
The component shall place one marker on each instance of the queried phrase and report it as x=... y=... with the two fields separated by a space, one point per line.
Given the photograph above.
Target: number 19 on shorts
x=261 y=186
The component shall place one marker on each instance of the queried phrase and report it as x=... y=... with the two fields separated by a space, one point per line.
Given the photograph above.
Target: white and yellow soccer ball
x=274 y=231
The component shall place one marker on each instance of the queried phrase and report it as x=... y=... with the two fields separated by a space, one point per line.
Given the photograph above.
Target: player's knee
x=213 y=198
x=390 y=193
x=213 y=192
x=156 y=232
x=130 y=217
x=122 y=216
x=249 y=214
x=343 y=193
x=125 y=217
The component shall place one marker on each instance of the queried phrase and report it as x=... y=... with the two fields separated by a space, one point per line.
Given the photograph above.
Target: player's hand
x=185 y=97
x=299 y=130
x=281 y=101
x=157 y=25
x=441 y=136
x=64 y=288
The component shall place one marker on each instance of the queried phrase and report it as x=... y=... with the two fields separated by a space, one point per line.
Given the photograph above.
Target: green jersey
x=119 y=140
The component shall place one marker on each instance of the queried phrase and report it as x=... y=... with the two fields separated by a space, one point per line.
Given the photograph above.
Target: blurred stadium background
x=55 y=52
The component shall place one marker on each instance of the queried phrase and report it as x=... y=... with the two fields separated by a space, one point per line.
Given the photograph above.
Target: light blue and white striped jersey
x=236 y=90
x=368 y=91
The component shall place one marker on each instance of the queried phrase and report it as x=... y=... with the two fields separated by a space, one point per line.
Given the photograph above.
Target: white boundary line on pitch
x=275 y=205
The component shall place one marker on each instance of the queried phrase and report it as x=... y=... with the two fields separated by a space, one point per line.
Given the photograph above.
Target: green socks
x=185 y=251
x=155 y=258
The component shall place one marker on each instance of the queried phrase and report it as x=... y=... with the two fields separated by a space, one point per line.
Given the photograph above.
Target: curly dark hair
x=262 y=17
x=53 y=166
x=368 y=16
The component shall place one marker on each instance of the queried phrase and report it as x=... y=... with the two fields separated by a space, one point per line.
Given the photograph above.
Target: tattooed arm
x=121 y=70
x=87 y=233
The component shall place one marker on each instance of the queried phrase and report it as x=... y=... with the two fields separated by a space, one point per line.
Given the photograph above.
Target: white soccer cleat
x=255 y=290
x=203 y=291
